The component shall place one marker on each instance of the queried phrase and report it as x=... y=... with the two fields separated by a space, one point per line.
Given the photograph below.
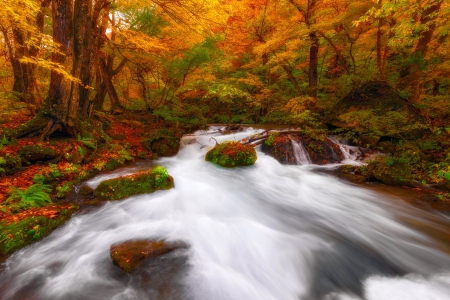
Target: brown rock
x=86 y=190
x=129 y=254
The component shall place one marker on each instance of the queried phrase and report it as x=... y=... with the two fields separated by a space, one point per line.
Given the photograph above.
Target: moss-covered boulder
x=232 y=154
x=10 y=164
x=377 y=109
x=163 y=142
x=38 y=152
x=391 y=173
x=129 y=254
x=17 y=234
x=134 y=184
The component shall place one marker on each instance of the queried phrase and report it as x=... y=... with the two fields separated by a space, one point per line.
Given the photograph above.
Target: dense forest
x=87 y=85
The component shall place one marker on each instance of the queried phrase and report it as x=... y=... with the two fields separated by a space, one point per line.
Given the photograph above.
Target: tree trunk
x=68 y=99
x=292 y=79
x=313 y=63
x=414 y=78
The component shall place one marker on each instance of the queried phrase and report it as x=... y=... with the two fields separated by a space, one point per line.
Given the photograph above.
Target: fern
x=34 y=196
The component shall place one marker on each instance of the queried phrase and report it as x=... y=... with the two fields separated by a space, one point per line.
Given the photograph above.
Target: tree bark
x=292 y=79
x=313 y=63
x=68 y=99
x=422 y=46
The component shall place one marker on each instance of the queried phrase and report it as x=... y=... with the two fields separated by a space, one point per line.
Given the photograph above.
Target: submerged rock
x=232 y=154
x=134 y=184
x=129 y=254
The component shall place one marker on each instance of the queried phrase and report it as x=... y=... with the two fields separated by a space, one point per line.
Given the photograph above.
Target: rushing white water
x=268 y=231
x=300 y=153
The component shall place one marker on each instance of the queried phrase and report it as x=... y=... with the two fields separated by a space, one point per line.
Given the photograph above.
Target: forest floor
x=33 y=193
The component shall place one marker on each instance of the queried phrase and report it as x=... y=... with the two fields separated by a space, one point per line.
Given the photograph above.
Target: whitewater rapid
x=268 y=231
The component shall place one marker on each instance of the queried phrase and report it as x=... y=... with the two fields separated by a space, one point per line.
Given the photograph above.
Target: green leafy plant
x=47 y=174
x=271 y=139
x=34 y=196
x=161 y=175
x=63 y=189
x=88 y=142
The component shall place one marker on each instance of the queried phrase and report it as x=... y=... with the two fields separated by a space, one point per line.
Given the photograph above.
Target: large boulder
x=129 y=254
x=134 y=184
x=232 y=154
x=286 y=148
x=377 y=109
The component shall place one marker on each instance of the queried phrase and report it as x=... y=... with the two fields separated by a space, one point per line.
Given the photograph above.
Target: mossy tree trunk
x=68 y=99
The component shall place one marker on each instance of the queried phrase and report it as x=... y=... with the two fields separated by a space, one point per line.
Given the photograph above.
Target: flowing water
x=300 y=153
x=268 y=231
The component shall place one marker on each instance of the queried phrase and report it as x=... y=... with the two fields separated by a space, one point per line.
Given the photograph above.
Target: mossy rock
x=77 y=154
x=377 y=109
x=232 y=154
x=354 y=174
x=128 y=255
x=397 y=174
x=10 y=164
x=134 y=184
x=17 y=235
x=86 y=190
x=163 y=142
x=39 y=152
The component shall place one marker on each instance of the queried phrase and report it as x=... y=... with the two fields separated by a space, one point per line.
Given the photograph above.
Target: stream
x=268 y=231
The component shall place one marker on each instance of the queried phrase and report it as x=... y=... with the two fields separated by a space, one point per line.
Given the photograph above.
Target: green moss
x=17 y=235
x=10 y=164
x=232 y=154
x=140 y=183
x=38 y=152
x=271 y=139
x=163 y=142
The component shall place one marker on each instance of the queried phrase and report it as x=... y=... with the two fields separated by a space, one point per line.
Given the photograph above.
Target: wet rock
x=86 y=190
x=231 y=129
x=281 y=149
x=324 y=151
x=128 y=255
x=134 y=184
x=319 y=151
x=231 y=154
x=39 y=152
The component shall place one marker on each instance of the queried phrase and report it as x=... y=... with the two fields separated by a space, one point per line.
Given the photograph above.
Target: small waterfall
x=352 y=154
x=300 y=153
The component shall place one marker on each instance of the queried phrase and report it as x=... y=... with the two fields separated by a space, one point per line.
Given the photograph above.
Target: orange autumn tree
x=78 y=30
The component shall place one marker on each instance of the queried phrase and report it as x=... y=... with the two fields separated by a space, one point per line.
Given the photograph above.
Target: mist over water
x=268 y=231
